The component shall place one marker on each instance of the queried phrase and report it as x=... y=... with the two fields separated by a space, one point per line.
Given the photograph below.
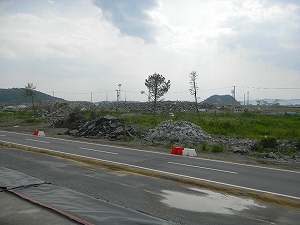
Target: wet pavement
x=206 y=201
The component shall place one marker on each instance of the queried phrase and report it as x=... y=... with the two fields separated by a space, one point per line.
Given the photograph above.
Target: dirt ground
x=16 y=125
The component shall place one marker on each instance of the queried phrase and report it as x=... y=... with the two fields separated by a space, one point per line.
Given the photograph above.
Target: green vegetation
x=217 y=148
x=204 y=147
x=268 y=142
x=246 y=125
x=24 y=116
x=254 y=126
x=288 y=152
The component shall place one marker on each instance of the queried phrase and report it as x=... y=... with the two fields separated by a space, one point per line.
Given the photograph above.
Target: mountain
x=221 y=99
x=16 y=96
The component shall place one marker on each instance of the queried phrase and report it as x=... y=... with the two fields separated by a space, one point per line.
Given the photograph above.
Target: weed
x=168 y=146
x=268 y=142
x=289 y=151
x=190 y=146
x=217 y=148
x=204 y=147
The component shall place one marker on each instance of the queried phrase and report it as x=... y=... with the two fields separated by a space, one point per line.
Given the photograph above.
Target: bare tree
x=194 y=88
x=157 y=87
x=30 y=92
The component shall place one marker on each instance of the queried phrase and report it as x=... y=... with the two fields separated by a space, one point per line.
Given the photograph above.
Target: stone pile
x=180 y=132
x=251 y=148
x=106 y=127
x=162 y=106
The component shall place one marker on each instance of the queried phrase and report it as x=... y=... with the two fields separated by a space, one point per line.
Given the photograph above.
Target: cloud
x=85 y=46
x=130 y=16
x=271 y=33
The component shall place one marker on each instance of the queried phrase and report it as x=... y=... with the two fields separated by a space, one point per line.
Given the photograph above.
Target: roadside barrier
x=37 y=132
x=183 y=151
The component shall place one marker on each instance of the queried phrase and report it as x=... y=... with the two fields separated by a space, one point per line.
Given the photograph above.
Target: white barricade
x=41 y=133
x=189 y=152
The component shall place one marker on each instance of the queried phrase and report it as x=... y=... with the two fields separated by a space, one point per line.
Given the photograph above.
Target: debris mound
x=180 y=132
x=106 y=127
x=58 y=113
x=74 y=119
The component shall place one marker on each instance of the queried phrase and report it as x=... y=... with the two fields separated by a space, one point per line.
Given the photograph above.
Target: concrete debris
x=66 y=114
x=56 y=112
x=161 y=107
x=180 y=132
x=111 y=129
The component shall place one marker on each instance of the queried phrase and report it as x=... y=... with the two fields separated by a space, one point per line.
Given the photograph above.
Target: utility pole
x=248 y=98
x=91 y=96
x=233 y=95
x=118 y=95
x=119 y=91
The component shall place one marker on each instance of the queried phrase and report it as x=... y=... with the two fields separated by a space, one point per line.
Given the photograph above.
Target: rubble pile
x=180 y=132
x=106 y=127
x=74 y=119
x=161 y=106
x=284 y=152
x=56 y=112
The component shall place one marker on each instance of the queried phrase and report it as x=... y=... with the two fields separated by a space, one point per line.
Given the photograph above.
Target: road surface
x=277 y=182
x=172 y=201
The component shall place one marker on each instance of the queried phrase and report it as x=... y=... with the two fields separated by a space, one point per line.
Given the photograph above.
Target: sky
x=88 y=49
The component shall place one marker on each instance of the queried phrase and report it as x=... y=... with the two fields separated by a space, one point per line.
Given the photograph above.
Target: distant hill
x=16 y=96
x=221 y=99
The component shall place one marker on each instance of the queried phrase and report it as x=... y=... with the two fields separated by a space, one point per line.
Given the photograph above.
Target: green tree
x=30 y=92
x=157 y=87
x=194 y=88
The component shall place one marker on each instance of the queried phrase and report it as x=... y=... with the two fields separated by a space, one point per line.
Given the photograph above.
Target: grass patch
x=254 y=126
x=217 y=148
x=268 y=142
x=204 y=147
x=288 y=152
x=245 y=125
x=24 y=116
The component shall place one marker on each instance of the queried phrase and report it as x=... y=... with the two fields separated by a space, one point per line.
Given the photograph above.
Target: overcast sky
x=72 y=48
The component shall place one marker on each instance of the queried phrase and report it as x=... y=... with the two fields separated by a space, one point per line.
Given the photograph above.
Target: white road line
x=95 y=150
x=28 y=139
x=168 y=173
x=153 y=152
x=201 y=167
x=2 y=135
x=183 y=176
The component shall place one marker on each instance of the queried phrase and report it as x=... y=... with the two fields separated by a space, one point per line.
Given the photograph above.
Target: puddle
x=207 y=201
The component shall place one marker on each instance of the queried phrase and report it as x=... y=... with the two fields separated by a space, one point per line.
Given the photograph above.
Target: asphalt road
x=266 y=180
x=180 y=204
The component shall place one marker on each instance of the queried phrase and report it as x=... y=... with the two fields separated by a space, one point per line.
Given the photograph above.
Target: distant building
x=239 y=109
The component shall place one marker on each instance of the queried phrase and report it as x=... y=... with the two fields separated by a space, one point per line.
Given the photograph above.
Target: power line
x=273 y=88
